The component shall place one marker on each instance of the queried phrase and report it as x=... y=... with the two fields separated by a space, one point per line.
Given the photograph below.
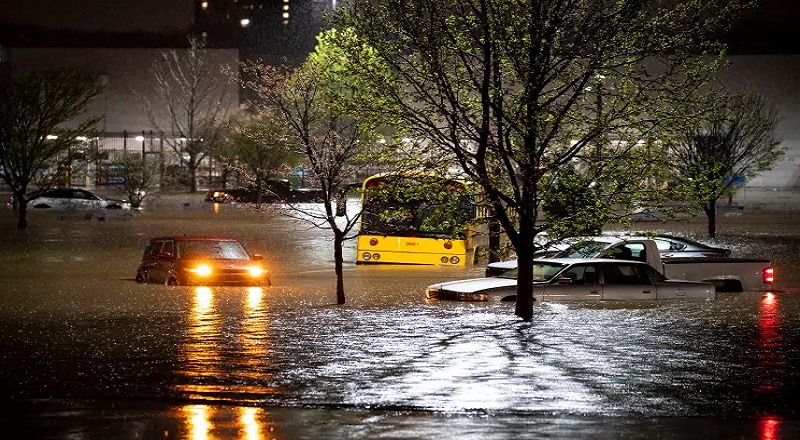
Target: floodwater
x=86 y=352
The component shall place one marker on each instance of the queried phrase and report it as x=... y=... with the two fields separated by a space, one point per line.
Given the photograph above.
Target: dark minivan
x=201 y=260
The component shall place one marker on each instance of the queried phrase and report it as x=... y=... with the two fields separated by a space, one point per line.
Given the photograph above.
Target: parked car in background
x=75 y=198
x=585 y=279
x=200 y=260
x=672 y=246
x=726 y=273
x=668 y=246
x=275 y=191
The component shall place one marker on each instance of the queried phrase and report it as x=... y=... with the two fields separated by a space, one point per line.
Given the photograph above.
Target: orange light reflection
x=197 y=421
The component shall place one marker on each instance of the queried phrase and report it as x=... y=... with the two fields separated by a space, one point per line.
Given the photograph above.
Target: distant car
x=669 y=246
x=75 y=198
x=672 y=246
x=590 y=279
x=201 y=260
x=275 y=191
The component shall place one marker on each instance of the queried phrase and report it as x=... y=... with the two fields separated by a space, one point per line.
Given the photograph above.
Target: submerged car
x=669 y=246
x=591 y=279
x=201 y=260
x=273 y=191
x=672 y=246
x=75 y=198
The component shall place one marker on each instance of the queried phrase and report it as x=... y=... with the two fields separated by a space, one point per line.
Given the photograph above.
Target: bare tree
x=259 y=149
x=525 y=95
x=35 y=108
x=193 y=102
x=136 y=176
x=734 y=140
x=326 y=128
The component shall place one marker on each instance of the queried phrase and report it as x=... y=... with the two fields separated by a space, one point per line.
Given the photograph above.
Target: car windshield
x=542 y=272
x=582 y=249
x=211 y=250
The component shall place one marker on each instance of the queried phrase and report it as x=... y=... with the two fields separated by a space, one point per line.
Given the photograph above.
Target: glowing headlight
x=202 y=270
x=255 y=271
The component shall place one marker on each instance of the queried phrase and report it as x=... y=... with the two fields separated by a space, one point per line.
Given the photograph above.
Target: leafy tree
x=193 y=102
x=734 y=140
x=522 y=94
x=260 y=149
x=321 y=108
x=40 y=122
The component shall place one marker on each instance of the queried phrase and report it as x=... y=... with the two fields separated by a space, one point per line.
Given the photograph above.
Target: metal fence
x=99 y=170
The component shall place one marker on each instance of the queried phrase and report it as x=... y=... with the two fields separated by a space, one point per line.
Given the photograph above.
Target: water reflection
x=769 y=344
x=203 y=422
x=769 y=428
x=200 y=350
x=225 y=352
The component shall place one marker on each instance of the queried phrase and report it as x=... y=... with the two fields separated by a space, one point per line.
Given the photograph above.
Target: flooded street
x=86 y=352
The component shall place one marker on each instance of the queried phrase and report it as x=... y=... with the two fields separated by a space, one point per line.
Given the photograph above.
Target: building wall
x=126 y=72
x=127 y=75
x=777 y=77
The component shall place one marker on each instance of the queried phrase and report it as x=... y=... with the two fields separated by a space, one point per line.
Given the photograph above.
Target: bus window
x=427 y=217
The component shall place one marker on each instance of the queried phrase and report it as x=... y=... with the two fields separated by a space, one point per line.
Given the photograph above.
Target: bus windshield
x=418 y=205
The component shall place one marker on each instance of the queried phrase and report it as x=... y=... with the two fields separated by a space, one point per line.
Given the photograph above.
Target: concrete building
x=777 y=77
x=127 y=72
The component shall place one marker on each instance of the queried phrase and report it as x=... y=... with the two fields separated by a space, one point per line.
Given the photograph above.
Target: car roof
x=192 y=238
x=586 y=260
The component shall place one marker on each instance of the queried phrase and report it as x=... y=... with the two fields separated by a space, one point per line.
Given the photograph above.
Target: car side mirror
x=258 y=257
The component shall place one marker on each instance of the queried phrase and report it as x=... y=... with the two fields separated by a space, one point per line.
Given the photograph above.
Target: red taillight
x=373 y=241
x=448 y=245
x=769 y=275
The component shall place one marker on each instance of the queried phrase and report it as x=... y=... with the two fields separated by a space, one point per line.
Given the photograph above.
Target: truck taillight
x=769 y=275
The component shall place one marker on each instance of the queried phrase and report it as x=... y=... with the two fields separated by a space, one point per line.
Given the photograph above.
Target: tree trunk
x=494 y=240
x=338 y=242
x=711 y=213
x=22 y=219
x=192 y=165
x=524 y=306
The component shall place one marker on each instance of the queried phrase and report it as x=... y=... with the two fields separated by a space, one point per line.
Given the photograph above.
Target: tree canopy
x=538 y=101
x=40 y=124
x=733 y=140
x=326 y=125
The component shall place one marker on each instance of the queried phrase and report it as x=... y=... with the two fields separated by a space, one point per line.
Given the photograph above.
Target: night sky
x=771 y=25
x=93 y=15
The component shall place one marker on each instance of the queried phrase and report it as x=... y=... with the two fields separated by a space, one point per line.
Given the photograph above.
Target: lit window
x=204 y=5
x=286 y=15
x=245 y=22
x=285 y=7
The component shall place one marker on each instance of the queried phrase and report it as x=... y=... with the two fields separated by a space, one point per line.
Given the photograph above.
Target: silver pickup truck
x=726 y=273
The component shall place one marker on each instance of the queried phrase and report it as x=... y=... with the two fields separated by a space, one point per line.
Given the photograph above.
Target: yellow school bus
x=415 y=219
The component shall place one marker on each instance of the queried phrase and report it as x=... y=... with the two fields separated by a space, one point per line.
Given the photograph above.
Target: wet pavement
x=85 y=352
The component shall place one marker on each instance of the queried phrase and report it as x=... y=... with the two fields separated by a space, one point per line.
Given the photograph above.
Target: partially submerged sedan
x=592 y=279
x=201 y=260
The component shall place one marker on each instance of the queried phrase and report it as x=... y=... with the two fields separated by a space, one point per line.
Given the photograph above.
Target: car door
x=668 y=289
x=90 y=200
x=580 y=282
x=80 y=200
x=60 y=199
x=156 y=265
x=625 y=281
